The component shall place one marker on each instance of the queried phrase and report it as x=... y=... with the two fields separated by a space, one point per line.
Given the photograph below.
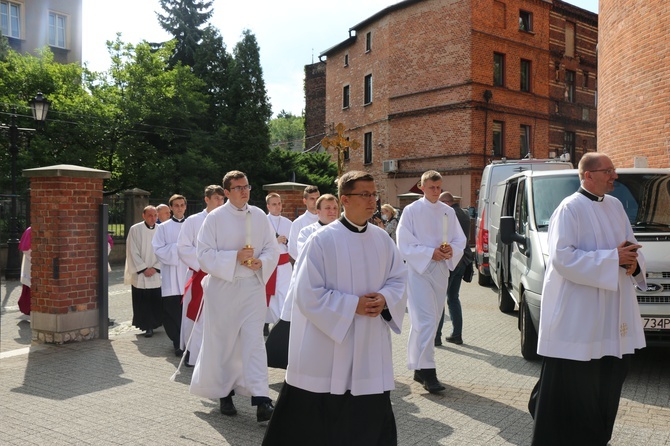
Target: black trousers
x=172 y=318
x=276 y=345
x=147 y=307
x=575 y=402
x=307 y=418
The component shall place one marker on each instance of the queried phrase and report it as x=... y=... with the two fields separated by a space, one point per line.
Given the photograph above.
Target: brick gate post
x=65 y=202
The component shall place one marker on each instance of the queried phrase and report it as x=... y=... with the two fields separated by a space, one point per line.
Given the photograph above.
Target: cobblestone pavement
x=118 y=392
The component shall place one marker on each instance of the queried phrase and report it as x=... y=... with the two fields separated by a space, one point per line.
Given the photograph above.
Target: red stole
x=271 y=286
x=196 y=293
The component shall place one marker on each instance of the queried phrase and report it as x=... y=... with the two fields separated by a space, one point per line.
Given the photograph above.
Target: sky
x=290 y=33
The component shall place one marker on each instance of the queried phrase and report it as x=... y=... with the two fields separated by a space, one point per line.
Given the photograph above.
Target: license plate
x=656 y=323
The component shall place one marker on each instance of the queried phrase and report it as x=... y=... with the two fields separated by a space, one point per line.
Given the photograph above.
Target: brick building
x=634 y=93
x=451 y=85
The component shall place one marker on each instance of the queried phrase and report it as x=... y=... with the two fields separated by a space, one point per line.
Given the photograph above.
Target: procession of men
x=327 y=290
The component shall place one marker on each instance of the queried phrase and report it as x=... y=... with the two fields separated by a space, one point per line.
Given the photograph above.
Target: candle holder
x=248 y=262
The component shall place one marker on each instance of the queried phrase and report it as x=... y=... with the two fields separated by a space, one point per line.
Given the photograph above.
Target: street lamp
x=40 y=107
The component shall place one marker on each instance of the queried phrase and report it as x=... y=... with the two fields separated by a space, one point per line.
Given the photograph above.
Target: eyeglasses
x=366 y=196
x=241 y=188
x=607 y=171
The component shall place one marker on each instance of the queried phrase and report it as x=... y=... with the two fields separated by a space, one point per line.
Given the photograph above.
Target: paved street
x=118 y=392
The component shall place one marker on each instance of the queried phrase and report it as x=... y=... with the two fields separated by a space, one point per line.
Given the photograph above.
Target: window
x=525 y=141
x=10 y=19
x=570 y=38
x=569 y=144
x=525 y=75
x=498 y=69
x=345 y=96
x=585 y=114
x=367 y=88
x=586 y=79
x=525 y=21
x=498 y=149
x=367 y=145
x=368 y=42
x=346 y=60
x=57 y=27
x=569 y=86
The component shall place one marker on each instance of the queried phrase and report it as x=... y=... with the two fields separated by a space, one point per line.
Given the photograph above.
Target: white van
x=528 y=201
x=494 y=173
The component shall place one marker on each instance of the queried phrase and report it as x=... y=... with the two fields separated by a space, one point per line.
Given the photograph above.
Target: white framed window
x=10 y=19
x=57 y=30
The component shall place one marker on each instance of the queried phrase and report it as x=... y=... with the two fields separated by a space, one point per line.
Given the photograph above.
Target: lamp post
x=40 y=107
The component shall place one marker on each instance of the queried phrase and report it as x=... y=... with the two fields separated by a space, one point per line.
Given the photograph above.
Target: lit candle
x=445 y=229
x=248 y=239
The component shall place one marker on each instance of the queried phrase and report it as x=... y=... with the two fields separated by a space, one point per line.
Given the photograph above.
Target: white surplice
x=589 y=306
x=140 y=256
x=232 y=355
x=305 y=219
x=281 y=226
x=186 y=248
x=173 y=270
x=331 y=348
x=419 y=232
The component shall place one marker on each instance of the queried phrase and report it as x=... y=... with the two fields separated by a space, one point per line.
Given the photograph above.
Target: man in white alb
x=173 y=270
x=191 y=324
x=431 y=241
x=309 y=197
x=238 y=249
x=350 y=282
x=278 y=283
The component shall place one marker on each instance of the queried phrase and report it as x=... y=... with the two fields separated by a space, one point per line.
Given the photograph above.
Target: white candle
x=445 y=228
x=248 y=239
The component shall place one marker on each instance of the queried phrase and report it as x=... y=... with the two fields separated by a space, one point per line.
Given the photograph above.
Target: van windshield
x=645 y=198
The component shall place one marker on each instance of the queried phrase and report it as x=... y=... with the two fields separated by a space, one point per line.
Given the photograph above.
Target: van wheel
x=505 y=301
x=483 y=280
x=528 y=333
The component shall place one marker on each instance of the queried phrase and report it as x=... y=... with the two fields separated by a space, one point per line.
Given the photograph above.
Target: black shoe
x=430 y=382
x=178 y=352
x=227 y=406
x=264 y=411
x=438 y=342
x=454 y=339
x=187 y=359
x=149 y=333
x=266 y=330
x=418 y=377
x=110 y=322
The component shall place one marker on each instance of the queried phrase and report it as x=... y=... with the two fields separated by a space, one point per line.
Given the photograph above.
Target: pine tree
x=183 y=19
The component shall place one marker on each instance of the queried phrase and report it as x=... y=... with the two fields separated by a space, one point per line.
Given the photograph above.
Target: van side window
x=521 y=211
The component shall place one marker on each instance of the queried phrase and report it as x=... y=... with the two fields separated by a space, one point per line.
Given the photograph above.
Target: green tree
x=287 y=132
x=183 y=19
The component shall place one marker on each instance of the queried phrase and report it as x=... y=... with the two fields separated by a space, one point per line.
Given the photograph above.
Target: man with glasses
x=349 y=292
x=431 y=241
x=238 y=249
x=590 y=322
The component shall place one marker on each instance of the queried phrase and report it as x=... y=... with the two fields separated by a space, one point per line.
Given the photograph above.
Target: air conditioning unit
x=390 y=166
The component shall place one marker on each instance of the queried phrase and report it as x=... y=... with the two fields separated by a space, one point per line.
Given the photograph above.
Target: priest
x=431 y=241
x=238 y=249
x=590 y=324
x=280 y=279
x=309 y=197
x=349 y=282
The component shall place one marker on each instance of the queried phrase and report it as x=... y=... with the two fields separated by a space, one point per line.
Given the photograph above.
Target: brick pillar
x=291 y=197
x=65 y=202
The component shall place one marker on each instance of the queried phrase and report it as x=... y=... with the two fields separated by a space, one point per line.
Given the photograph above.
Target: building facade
x=450 y=85
x=30 y=25
x=634 y=93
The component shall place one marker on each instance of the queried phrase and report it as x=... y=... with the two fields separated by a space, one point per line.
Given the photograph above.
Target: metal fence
x=22 y=211
x=116 y=207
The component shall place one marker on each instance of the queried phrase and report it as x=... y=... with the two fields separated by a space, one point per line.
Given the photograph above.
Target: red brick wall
x=634 y=75
x=315 y=103
x=64 y=220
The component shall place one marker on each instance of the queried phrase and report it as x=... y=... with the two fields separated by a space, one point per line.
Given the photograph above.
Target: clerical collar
x=352 y=226
x=322 y=223
x=246 y=206
x=149 y=227
x=177 y=220
x=589 y=195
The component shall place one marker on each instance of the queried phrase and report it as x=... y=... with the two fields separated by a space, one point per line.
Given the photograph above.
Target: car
x=491 y=176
